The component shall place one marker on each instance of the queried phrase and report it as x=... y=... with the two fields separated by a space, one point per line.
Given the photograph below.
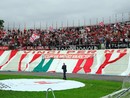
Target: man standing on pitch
x=64 y=67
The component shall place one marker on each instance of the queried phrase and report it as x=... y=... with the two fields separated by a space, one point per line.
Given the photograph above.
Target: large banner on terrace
x=105 y=62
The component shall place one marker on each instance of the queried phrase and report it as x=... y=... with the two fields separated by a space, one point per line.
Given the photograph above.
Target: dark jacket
x=64 y=68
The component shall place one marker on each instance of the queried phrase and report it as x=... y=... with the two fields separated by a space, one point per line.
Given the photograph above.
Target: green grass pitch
x=92 y=89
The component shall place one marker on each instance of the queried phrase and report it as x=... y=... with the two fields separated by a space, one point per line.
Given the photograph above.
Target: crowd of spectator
x=101 y=35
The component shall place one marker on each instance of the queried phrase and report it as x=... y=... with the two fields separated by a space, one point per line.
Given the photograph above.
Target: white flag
x=34 y=37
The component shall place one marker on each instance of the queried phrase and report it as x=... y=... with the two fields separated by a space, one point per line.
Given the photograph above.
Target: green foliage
x=1 y=24
x=92 y=89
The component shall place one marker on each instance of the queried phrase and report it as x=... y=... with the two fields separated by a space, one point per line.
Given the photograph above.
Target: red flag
x=87 y=28
x=51 y=28
x=101 y=23
x=25 y=28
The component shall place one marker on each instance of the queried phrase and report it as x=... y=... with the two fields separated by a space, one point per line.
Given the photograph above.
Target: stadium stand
x=106 y=36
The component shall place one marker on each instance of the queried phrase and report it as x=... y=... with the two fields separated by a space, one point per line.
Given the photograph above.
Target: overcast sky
x=20 y=12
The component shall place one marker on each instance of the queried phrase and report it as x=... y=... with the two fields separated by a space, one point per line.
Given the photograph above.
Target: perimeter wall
x=105 y=62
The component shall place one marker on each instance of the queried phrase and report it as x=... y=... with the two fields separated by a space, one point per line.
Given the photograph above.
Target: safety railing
x=123 y=93
x=51 y=91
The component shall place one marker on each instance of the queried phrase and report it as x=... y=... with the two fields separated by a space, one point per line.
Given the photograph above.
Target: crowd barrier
x=104 y=62
x=112 y=45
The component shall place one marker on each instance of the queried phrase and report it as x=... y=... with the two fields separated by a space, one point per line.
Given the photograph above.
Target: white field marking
x=38 y=84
